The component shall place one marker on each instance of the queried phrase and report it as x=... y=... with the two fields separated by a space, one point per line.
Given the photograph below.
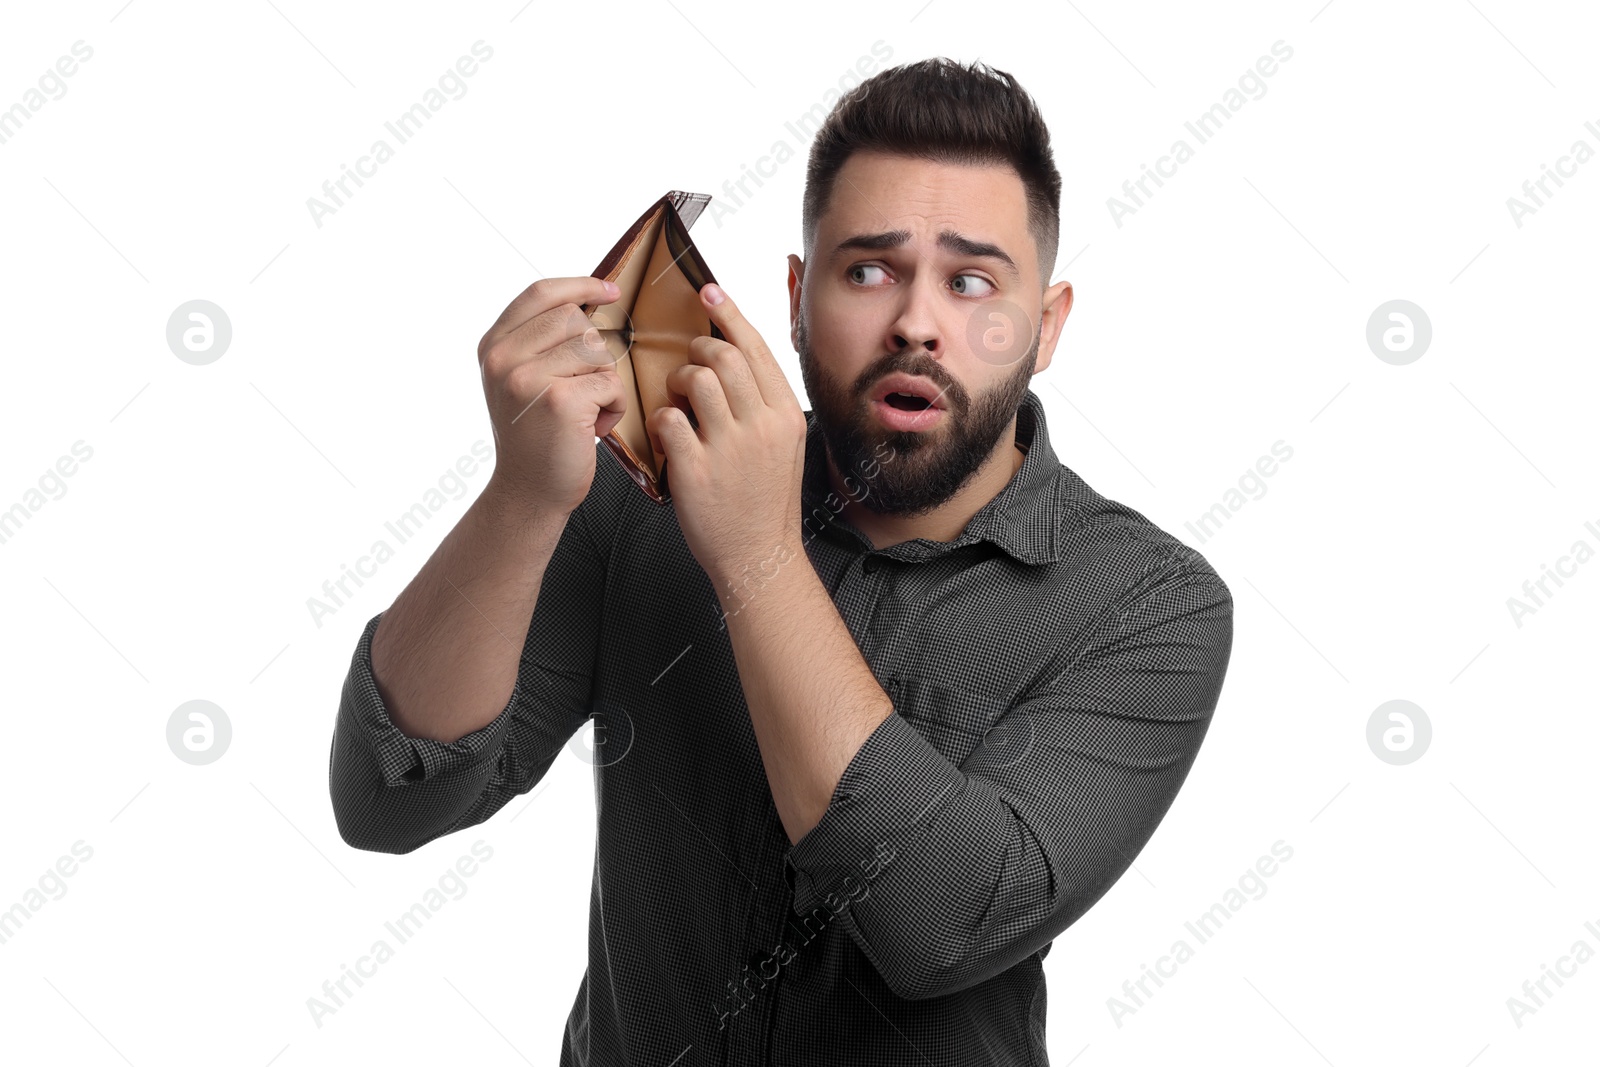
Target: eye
x=980 y=280
x=861 y=268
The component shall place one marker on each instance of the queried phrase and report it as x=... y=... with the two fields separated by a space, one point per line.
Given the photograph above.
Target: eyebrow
x=949 y=240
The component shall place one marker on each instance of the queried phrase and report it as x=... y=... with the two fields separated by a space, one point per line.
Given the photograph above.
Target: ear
x=1057 y=305
x=797 y=269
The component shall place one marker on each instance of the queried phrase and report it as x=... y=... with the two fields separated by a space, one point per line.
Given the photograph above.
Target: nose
x=916 y=323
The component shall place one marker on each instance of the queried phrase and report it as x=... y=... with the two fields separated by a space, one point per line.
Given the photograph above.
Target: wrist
x=510 y=505
x=739 y=584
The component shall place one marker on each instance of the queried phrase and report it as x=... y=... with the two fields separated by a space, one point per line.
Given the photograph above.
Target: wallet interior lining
x=614 y=323
x=654 y=291
x=666 y=317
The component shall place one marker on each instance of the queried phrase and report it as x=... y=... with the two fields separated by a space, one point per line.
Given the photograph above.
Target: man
x=889 y=697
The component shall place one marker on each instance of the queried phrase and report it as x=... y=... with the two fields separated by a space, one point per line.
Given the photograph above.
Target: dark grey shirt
x=1053 y=669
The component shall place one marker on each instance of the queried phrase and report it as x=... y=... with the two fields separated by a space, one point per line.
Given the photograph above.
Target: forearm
x=812 y=698
x=445 y=654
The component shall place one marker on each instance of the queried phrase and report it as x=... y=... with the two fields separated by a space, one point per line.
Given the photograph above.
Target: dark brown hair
x=941 y=110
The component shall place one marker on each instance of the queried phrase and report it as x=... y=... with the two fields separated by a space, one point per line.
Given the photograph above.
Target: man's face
x=949 y=311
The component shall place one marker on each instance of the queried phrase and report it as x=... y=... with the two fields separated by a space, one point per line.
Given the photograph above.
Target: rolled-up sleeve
x=393 y=793
x=399 y=757
x=980 y=865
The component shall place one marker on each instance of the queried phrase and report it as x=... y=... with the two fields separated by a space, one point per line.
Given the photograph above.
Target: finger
x=575 y=338
x=702 y=387
x=764 y=367
x=542 y=296
x=564 y=339
x=598 y=397
x=739 y=386
x=671 y=435
x=605 y=389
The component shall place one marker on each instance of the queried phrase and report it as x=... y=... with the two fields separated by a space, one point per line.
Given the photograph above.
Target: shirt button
x=871 y=563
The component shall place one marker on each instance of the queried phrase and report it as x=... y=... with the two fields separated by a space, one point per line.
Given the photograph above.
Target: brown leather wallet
x=648 y=327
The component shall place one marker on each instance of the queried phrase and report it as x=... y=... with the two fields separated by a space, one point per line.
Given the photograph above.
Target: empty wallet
x=647 y=329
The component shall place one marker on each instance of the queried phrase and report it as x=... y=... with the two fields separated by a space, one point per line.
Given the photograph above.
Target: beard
x=914 y=471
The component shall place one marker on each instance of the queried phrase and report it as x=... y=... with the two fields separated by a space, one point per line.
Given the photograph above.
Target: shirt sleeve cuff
x=403 y=759
x=893 y=784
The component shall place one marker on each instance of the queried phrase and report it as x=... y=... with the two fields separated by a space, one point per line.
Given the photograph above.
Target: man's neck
x=945 y=522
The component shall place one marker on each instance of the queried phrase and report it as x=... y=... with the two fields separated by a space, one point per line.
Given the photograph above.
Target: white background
x=1228 y=313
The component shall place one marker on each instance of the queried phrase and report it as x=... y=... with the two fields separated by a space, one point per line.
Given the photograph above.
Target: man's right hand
x=552 y=387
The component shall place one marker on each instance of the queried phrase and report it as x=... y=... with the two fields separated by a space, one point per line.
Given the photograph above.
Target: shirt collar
x=1022 y=519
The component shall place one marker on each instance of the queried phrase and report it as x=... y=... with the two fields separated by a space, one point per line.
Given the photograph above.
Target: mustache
x=918 y=362
x=948 y=386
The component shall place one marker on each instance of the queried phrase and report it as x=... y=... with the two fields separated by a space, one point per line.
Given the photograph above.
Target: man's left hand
x=735 y=480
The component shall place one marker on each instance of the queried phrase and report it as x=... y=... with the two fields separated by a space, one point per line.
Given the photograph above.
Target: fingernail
x=611 y=288
x=713 y=294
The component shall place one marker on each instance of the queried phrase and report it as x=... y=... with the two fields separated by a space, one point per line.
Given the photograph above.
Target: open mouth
x=906 y=401
x=899 y=412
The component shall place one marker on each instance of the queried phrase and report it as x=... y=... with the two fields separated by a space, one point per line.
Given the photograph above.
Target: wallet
x=647 y=329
